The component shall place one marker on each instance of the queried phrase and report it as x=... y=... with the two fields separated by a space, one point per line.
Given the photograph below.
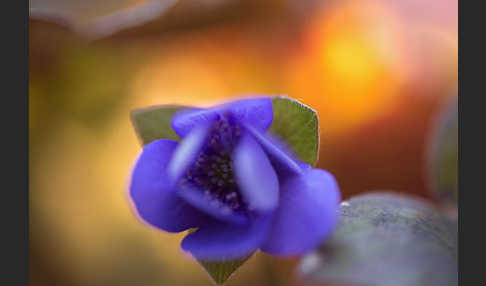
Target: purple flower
x=235 y=184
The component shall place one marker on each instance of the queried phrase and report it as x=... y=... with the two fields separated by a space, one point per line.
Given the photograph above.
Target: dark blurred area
x=378 y=72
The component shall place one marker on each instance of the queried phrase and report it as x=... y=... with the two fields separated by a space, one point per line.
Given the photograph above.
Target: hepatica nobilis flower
x=235 y=184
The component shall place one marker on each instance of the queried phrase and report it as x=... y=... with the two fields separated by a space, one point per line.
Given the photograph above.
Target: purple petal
x=187 y=151
x=304 y=166
x=209 y=206
x=307 y=213
x=257 y=112
x=154 y=200
x=185 y=120
x=223 y=241
x=256 y=178
x=280 y=159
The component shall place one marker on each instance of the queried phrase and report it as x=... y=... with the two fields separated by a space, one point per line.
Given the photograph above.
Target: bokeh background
x=378 y=72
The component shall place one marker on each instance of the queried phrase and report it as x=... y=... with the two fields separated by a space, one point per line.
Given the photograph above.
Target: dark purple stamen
x=213 y=170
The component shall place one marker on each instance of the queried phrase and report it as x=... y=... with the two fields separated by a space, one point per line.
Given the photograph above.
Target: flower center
x=213 y=170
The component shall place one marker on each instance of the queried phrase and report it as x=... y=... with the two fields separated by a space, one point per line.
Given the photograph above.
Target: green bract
x=297 y=125
x=153 y=122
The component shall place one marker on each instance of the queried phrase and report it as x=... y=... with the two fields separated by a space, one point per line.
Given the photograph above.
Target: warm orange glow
x=349 y=74
x=193 y=71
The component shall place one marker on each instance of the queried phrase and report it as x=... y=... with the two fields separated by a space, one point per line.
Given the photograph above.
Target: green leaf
x=220 y=271
x=153 y=123
x=296 y=125
x=443 y=155
x=386 y=239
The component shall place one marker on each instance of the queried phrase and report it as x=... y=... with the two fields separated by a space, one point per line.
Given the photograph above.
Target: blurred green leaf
x=220 y=271
x=153 y=123
x=386 y=239
x=297 y=125
x=444 y=155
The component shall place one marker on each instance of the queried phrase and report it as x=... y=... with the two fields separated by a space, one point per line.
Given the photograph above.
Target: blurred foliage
x=377 y=72
x=385 y=238
x=443 y=154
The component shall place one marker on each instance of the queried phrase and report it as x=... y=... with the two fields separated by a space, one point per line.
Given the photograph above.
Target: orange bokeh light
x=348 y=71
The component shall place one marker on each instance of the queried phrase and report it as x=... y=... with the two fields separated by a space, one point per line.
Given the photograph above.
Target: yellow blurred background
x=378 y=73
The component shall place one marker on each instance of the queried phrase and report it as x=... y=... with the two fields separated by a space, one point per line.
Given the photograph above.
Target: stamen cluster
x=213 y=170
